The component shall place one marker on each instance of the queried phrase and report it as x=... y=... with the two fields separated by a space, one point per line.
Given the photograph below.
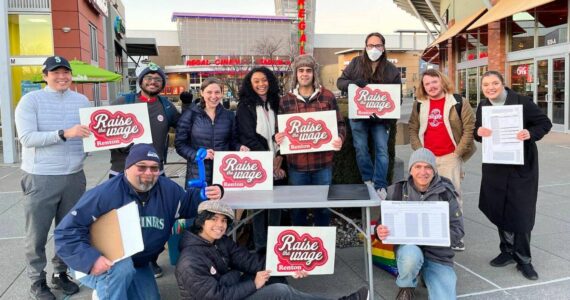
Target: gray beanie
x=422 y=155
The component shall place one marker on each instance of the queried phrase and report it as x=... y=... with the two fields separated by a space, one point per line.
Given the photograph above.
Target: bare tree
x=270 y=48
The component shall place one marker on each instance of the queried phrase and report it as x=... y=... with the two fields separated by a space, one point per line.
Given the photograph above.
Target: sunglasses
x=143 y=168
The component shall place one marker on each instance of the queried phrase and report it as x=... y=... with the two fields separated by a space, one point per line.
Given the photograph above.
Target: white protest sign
x=308 y=132
x=292 y=249
x=380 y=99
x=115 y=126
x=249 y=170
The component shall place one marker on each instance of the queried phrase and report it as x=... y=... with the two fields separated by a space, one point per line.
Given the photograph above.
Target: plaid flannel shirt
x=322 y=100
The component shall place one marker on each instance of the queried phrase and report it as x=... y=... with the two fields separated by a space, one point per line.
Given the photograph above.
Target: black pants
x=517 y=244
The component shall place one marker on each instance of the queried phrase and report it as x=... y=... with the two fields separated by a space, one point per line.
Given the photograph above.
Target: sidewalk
x=476 y=278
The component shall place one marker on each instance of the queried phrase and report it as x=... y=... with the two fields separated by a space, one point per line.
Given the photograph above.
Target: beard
x=146 y=186
x=151 y=94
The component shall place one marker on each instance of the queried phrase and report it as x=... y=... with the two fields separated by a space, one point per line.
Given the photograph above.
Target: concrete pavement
x=476 y=278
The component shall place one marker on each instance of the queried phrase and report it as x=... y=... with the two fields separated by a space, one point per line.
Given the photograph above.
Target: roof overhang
x=458 y=27
x=141 y=47
x=422 y=8
x=507 y=8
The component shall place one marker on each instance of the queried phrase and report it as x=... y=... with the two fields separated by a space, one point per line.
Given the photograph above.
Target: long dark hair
x=248 y=95
x=366 y=71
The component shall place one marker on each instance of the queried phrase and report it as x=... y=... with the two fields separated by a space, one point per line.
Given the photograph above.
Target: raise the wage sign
x=380 y=99
x=308 y=132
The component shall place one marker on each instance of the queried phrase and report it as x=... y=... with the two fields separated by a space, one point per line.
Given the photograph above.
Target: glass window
x=472 y=86
x=94 y=43
x=552 y=21
x=30 y=35
x=471 y=46
x=403 y=72
x=521 y=77
x=462 y=85
x=22 y=73
x=482 y=70
x=523 y=29
x=462 y=47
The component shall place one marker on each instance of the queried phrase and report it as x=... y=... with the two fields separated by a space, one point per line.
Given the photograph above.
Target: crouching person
x=212 y=266
x=160 y=202
x=435 y=264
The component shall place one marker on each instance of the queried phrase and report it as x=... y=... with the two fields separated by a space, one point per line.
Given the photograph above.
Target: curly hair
x=248 y=95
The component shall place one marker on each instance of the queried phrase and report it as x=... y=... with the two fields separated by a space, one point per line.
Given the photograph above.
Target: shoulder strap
x=130 y=98
x=418 y=106
x=459 y=105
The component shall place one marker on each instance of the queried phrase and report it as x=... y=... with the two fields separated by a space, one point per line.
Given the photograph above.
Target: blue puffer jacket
x=196 y=130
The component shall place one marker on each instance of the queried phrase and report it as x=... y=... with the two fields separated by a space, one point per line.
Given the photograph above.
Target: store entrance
x=550 y=92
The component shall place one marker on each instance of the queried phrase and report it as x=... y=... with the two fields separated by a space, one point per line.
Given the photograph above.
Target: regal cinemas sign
x=115 y=126
x=293 y=249
x=308 y=132
x=251 y=170
x=383 y=100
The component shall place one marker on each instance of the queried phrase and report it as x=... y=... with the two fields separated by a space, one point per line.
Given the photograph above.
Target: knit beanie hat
x=152 y=68
x=141 y=152
x=422 y=155
x=218 y=207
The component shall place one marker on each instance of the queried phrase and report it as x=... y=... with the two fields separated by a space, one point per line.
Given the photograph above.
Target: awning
x=141 y=47
x=458 y=27
x=507 y=8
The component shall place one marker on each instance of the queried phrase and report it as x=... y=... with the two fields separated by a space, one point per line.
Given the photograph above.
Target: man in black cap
x=49 y=130
x=162 y=116
x=160 y=202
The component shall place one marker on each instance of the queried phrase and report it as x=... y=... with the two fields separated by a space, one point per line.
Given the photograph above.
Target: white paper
x=116 y=126
x=286 y=246
x=308 y=132
x=131 y=232
x=381 y=99
x=502 y=147
x=416 y=222
x=243 y=170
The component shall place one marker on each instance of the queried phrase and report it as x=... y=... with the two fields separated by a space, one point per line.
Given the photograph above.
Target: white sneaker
x=94 y=295
x=382 y=193
x=369 y=182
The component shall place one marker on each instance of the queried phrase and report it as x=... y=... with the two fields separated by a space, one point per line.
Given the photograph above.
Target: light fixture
x=65 y=29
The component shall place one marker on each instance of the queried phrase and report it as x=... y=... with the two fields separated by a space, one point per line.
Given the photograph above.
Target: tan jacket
x=459 y=128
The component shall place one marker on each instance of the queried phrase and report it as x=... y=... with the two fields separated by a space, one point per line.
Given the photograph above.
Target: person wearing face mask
x=372 y=67
x=206 y=125
x=160 y=202
x=509 y=193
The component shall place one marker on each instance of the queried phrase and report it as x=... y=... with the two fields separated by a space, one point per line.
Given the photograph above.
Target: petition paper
x=503 y=147
x=416 y=222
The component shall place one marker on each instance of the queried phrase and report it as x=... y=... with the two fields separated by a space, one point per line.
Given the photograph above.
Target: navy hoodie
x=167 y=202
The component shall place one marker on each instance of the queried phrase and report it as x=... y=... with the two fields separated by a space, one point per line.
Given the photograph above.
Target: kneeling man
x=160 y=202
x=435 y=264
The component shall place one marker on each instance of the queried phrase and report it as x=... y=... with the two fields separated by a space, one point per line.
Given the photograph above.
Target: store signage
x=293 y=249
x=27 y=61
x=119 y=27
x=308 y=132
x=100 y=6
x=522 y=72
x=380 y=99
x=237 y=61
x=115 y=126
x=302 y=25
x=248 y=170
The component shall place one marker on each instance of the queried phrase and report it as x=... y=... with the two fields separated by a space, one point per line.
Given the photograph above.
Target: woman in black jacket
x=372 y=67
x=256 y=117
x=206 y=125
x=214 y=267
x=509 y=192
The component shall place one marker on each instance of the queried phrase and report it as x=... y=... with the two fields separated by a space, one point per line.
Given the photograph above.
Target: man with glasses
x=372 y=67
x=162 y=115
x=160 y=202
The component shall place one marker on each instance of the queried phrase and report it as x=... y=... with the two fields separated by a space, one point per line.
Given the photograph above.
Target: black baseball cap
x=54 y=62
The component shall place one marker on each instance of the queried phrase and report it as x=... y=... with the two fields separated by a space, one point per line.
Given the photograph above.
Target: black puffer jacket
x=195 y=129
x=213 y=270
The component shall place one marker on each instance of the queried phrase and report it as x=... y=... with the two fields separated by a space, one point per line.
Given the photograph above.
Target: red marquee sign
x=302 y=25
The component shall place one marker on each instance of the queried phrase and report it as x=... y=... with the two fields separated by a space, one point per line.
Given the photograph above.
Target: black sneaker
x=503 y=259
x=528 y=271
x=459 y=246
x=156 y=269
x=41 y=291
x=63 y=282
x=361 y=294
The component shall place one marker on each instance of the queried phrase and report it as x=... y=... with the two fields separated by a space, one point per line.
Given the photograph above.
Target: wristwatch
x=61 y=136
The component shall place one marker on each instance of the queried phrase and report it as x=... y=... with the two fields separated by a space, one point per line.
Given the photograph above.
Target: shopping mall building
x=526 y=40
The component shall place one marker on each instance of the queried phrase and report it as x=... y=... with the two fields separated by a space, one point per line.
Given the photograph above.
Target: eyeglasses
x=150 y=78
x=143 y=168
x=377 y=46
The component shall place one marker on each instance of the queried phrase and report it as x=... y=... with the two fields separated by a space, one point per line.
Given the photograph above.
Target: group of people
x=442 y=129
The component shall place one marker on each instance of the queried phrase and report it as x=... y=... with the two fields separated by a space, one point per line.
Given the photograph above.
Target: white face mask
x=374 y=53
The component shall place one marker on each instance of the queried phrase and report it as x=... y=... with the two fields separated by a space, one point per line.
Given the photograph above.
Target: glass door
x=550 y=89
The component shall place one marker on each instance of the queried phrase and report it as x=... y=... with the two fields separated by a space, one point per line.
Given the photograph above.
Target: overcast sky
x=333 y=16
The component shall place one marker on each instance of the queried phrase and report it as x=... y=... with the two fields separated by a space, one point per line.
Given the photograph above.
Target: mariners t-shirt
x=436 y=137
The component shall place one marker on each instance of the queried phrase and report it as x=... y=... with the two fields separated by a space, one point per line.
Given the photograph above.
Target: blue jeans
x=268 y=217
x=440 y=279
x=376 y=173
x=320 y=177
x=124 y=281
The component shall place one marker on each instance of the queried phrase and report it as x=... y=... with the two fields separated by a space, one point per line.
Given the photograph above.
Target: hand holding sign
x=307 y=132
x=374 y=101
x=81 y=131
